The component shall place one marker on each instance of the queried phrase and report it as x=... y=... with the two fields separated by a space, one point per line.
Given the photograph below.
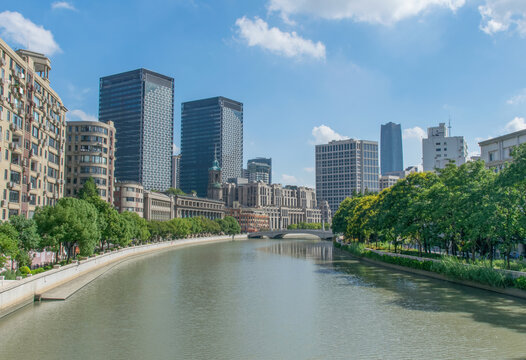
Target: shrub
x=25 y=270
x=520 y=283
x=37 y=271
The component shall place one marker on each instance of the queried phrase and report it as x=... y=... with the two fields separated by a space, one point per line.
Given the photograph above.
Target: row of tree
x=466 y=210
x=88 y=222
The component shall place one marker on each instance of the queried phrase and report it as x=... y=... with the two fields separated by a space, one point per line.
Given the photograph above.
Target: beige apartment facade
x=129 y=196
x=90 y=153
x=32 y=134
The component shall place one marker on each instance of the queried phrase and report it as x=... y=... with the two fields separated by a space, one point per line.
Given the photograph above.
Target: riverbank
x=457 y=273
x=19 y=293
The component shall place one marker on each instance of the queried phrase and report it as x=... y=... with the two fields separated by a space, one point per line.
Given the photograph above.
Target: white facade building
x=439 y=149
x=497 y=151
x=386 y=181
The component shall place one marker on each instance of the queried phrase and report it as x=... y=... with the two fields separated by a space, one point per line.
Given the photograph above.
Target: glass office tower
x=140 y=104
x=391 y=155
x=210 y=128
x=260 y=169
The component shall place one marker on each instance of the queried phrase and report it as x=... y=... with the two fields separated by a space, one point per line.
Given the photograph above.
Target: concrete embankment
x=62 y=282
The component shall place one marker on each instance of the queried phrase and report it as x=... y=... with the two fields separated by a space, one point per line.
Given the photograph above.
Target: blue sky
x=307 y=71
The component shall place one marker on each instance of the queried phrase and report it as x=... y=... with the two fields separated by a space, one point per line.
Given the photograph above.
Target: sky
x=307 y=71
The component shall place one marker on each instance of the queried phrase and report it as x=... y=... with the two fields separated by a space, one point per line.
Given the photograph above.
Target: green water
x=266 y=299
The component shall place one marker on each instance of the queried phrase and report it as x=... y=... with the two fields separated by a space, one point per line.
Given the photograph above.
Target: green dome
x=217 y=185
x=215 y=166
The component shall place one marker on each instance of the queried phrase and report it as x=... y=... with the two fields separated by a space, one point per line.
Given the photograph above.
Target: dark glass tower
x=260 y=169
x=140 y=103
x=210 y=127
x=391 y=155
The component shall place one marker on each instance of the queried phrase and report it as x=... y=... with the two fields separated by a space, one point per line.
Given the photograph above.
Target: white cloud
x=309 y=169
x=257 y=33
x=517 y=99
x=384 y=12
x=289 y=179
x=175 y=149
x=81 y=115
x=323 y=134
x=414 y=133
x=503 y=15
x=16 y=28
x=515 y=125
x=63 y=5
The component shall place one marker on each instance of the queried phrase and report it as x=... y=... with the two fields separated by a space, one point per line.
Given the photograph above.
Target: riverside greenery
x=466 y=211
x=448 y=266
x=90 y=223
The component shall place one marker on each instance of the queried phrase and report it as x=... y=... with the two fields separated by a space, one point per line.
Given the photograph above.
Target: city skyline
x=335 y=72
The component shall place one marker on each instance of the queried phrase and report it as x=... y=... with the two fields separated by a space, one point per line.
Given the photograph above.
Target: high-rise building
x=210 y=128
x=90 y=153
x=391 y=155
x=344 y=168
x=260 y=169
x=32 y=130
x=176 y=170
x=140 y=104
x=439 y=149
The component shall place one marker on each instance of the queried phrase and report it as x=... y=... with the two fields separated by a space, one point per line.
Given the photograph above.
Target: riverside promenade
x=63 y=281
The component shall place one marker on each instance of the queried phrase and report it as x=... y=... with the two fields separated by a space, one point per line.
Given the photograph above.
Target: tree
x=88 y=190
x=71 y=221
x=28 y=238
x=139 y=227
x=8 y=243
x=230 y=226
x=174 y=191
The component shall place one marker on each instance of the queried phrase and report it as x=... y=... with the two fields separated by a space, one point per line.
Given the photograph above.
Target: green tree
x=8 y=243
x=139 y=227
x=230 y=226
x=174 y=191
x=28 y=238
x=71 y=221
x=88 y=190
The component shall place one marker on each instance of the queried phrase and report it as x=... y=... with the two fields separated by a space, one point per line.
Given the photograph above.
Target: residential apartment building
x=210 y=128
x=391 y=153
x=129 y=196
x=32 y=132
x=176 y=170
x=259 y=169
x=440 y=149
x=344 y=168
x=496 y=152
x=140 y=103
x=90 y=153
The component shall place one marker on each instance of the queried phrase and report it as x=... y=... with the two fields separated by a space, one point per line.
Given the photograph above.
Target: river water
x=266 y=299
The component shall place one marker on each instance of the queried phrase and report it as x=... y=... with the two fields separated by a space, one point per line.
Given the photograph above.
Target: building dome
x=215 y=166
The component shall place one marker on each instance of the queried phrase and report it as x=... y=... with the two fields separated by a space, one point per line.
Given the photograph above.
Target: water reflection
x=303 y=249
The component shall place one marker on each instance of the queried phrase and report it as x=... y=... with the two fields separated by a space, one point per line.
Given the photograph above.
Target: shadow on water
x=409 y=291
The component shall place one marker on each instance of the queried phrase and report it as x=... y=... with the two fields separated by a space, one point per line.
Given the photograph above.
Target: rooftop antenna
x=449 y=125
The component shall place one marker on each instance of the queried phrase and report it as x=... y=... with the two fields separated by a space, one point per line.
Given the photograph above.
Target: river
x=266 y=299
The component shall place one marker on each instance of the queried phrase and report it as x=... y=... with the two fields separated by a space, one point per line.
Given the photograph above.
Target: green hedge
x=448 y=266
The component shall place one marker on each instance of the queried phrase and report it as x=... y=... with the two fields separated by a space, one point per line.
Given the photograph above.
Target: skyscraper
x=260 y=169
x=391 y=155
x=140 y=104
x=176 y=162
x=345 y=167
x=209 y=128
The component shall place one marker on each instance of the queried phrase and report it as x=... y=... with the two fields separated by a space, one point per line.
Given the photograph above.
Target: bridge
x=279 y=234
